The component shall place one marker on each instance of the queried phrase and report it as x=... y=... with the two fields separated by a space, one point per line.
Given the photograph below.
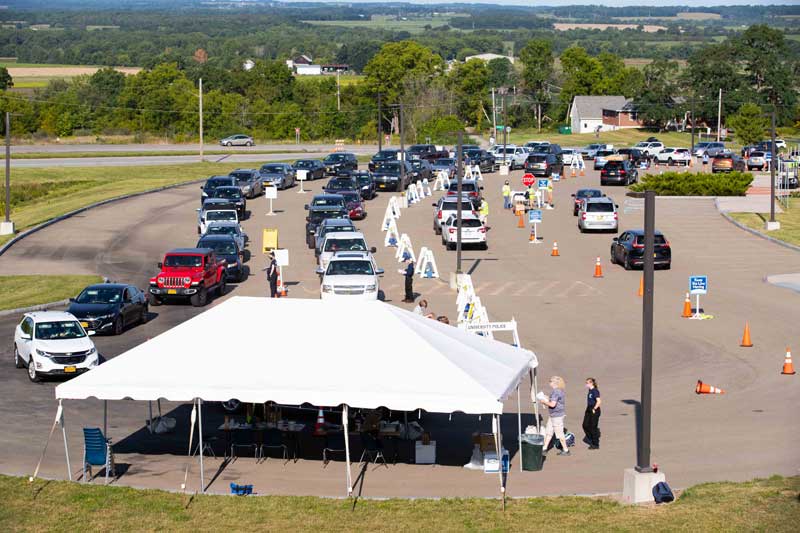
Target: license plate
x=172 y=291
x=70 y=369
x=655 y=255
x=84 y=324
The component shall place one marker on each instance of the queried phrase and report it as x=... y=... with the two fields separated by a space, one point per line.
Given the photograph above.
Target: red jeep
x=188 y=272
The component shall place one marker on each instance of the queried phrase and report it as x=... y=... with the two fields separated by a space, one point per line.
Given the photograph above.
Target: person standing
x=506 y=195
x=556 y=404
x=272 y=275
x=483 y=211
x=591 y=418
x=409 y=281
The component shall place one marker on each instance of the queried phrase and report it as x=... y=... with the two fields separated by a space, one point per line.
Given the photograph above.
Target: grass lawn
x=762 y=505
x=627 y=137
x=388 y=22
x=790 y=222
x=133 y=153
x=24 y=291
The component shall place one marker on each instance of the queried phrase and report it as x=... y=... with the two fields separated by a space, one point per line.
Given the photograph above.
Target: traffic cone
x=582 y=172
x=705 y=388
x=641 y=287
x=687 y=307
x=598 y=269
x=788 y=367
x=319 y=427
x=521 y=220
x=281 y=286
x=554 y=252
x=746 y=342
x=573 y=172
x=532 y=237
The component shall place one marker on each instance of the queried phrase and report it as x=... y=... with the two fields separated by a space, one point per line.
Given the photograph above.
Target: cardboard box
x=425 y=454
x=491 y=465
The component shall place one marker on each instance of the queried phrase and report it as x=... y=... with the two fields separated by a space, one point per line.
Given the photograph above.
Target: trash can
x=532 y=452
x=565 y=130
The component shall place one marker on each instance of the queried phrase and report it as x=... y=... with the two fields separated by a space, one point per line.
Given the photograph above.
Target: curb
x=40 y=307
x=739 y=225
x=65 y=216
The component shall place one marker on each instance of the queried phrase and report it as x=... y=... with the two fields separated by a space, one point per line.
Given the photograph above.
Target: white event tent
x=302 y=351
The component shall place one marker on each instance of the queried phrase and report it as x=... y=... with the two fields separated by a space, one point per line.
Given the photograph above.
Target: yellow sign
x=270 y=239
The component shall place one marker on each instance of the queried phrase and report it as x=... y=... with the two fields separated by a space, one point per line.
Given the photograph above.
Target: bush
x=695 y=184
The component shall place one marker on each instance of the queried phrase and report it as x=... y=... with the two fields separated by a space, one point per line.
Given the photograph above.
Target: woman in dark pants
x=591 y=418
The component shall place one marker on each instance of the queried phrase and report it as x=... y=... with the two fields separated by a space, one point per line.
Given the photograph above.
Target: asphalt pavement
x=578 y=325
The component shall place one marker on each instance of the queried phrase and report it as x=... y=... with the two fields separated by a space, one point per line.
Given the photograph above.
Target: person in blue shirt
x=591 y=418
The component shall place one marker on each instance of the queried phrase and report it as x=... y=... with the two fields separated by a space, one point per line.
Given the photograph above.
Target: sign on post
x=271 y=193
x=534 y=219
x=698 y=285
x=302 y=175
x=542 y=183
x=528 y=179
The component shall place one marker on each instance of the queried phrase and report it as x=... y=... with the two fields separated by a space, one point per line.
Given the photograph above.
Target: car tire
x=248 y=143
x=603 y=183
x=222 y=287
x=669 y=162
x=437 y=231
x=200 y=298
x=613 y=258
x=228 y=144
x=450 y=246
x=155 y=301
x=485 y=246
x=145 y=314
x=33 y=375
x=626 y=263
x=118 y=326
x=18 y=362
x=668 y=266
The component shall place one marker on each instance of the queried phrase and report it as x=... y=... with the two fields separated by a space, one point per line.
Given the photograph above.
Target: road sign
x=542 y=183
x=535 y=216
x=528 y=179
x=698 y=284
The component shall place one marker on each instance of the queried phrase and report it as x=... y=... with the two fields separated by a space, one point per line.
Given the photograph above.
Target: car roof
x=217 y=237
x=107 y=286
x=190 y=251
x=50 y=316
x=344 y=235
x=234 y=187
x=223 y=223
x=350 y=255
x=337 y=222
x=599 y=200
x=593 y=190
x=465 y=215
x=328 y=196
x=220 y=177
x=641 y=232
x=243 y=170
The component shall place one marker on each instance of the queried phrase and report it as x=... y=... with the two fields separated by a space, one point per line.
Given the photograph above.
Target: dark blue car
x=109 y=307
x=628 y=250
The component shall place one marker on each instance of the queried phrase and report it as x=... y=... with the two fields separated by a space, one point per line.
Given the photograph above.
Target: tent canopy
x=296 y=351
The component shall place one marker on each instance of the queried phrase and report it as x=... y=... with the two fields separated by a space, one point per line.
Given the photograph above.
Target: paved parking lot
x=578 y=326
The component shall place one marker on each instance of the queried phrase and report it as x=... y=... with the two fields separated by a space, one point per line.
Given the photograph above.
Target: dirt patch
x=61 y=72
x=564 y=26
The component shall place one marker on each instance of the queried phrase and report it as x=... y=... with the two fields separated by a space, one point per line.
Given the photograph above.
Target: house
x=488 y=57
x=299 y=60
x=308 y=70
x=589 y=114
x=623 y=117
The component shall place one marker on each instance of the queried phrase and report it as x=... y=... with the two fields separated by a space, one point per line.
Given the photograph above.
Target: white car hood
x=64 y=345
x=346 y=281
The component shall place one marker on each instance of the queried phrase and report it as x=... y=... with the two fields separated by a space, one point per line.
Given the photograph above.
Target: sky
x=615 y=3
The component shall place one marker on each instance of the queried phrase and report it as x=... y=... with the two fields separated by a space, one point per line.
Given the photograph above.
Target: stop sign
x=528 y=180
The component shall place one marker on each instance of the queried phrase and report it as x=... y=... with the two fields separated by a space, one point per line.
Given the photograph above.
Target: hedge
x=695 y=184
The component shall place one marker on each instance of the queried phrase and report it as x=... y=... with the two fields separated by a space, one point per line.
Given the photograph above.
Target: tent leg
x=348 y=475
x=200 y=435
x=105 y=418
x=149 y=416
x=498 y=447
x=50 y=436
x=519 y=428
x=191 y=439
x=535 y=385
x=64 y=433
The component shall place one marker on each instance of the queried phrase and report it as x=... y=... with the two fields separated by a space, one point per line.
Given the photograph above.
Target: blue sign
x=542 y=183
x=535 y=216
x=698 y=284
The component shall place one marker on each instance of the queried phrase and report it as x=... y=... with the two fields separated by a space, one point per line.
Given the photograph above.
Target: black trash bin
x=532 y=452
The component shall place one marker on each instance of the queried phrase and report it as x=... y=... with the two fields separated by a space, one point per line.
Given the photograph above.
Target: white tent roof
x=295 y=351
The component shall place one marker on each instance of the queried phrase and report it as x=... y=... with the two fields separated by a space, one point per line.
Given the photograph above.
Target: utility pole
x=201 y=119
x=402 y=150
x=459 y=178
x=771 y=225
x=380 y=124
x=719 y=114
x=7 y=227
x=494 y=115
x=692 y=112
x=505 y=127
x=338 y=92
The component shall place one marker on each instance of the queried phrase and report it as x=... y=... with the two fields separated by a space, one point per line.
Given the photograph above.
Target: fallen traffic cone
x=521 y=221
x=746 y=342
x=705 y=388
x=319 y=427
x=641 y=287
x=788 y=367
x=687 y=307
x=598 y=269
x=554 y=252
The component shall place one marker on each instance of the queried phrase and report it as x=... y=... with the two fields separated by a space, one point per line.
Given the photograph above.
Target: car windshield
x=417 y=164
x=219 y=229
x=220 y=247
x=340 y=185
x=225 y=192
x=363 y=179
x=537 y=158
x=318 y=216
x=603 y=153
x=658 y=239
x=358 y=267
x=183 y=261
x=213 y=184
x=600 y=207
x=444 y=162
x=356 y=244
x=221 y=215
x=241 y=176
x=335 y=158
x=587 y=193
x=389 y=168
x=453 y=206
x=322 y=201
x=386 y=154
x=99 y=296
x=304 y=164
x=466 y=222
x=350 y=197
x=756 y=154
x=59 y=330
x=465 y=187
x=273 y=169
x=615 y=164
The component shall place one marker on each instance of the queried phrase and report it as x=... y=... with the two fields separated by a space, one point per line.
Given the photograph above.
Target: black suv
x=620 y=172
x=388 y=175
x=383 y=156
x=226 y=248
x=316 y=214
x=212 y=183
x=628 y=249
x=634 y=155
x=421 y=170
x=340 y=161
x=366 y=184
x=482 y=158
x=340 y=183
x=235 y=198
x=314 y=167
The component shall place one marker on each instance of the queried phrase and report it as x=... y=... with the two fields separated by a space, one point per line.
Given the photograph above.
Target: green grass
x=789 y=219
x=762 y=505
x=388 y=22
x=627 y=137
x=25 y=291
x=77 y=155
x=13 y=63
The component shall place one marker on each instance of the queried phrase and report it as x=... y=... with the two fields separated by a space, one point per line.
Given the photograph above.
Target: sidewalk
x=757 y=199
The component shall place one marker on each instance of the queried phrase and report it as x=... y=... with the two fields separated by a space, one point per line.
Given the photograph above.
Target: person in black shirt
x=591 y=418
x=409 y=275
x=272 y=275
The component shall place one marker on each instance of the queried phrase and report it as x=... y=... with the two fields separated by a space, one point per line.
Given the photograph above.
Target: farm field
x=34 y=75
x=387 y=22
x=565 y=26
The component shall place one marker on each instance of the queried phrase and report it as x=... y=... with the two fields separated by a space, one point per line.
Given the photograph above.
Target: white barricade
x=404 y=249
x=412 y=196
x=504 y=169
x=476 y=173
x=420 y=191
x=404 y=200
x=394 y=204
x=392 y=235
x=440 y=184
x=387 y=217
x=426 y=188
x=426 y=266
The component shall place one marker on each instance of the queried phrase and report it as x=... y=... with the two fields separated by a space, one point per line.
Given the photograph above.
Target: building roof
x=302 y=59
x=592 y=106
x=488 y=57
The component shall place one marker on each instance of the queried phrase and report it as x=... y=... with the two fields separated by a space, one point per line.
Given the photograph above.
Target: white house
x=586 y=112
x=488 y=57
x=308 y=70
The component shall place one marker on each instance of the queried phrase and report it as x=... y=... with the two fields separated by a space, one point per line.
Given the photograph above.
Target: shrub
x=695 y=184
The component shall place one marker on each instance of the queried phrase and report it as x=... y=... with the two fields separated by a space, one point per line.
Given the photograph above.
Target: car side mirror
x=319 y=271
x=616 y=205
x=198 y=209
x=615 y=239
x=434 y=204
x=572 y=195
x=72 y=299
x=373 y=250
x=160 y=265
x=308 y=219
x=91 y=332
x=201 y=187
x=379 y=271
x=305 y=207
x=25 y=336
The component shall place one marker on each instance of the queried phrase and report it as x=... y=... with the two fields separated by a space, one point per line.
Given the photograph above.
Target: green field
x=762 y=505
x=619 y=138
x=133 y=153
x=389 y=22
x=789 y=219
x=25 y=291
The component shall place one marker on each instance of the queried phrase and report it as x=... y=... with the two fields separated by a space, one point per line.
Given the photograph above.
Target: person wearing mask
x=506 y=195
x=591 y=418
x=272 y=275
x=556 y=404
x=409 y=281
x=483 y=212
x=422 y=308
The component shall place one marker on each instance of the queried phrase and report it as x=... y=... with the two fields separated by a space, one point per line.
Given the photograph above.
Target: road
x=578 y=325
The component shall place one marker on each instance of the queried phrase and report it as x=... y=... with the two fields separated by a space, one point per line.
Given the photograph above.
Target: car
x=727 y=162
x=316 y=214
x=514 y=156
x=634 y=155
x=212 y=183
x=389 y=154
x=583 y=194
x=341 y=241
x=249 y=180
x=483 y=159
x=228 y=227
x=233 y=197
x=544 y=164
x=628 y=250
x=600 y=158
x=649 y=148
x=239 y=139
x=314 y=167
x=757 y=160
x=448 y=205
x=620 y=171
x=350 y=274
x=53 y=343
x=206 y=217
x=470 y=188
x=473 y=231
x=354 y=204
x=388 y=175
x=338 y=161
x=428 y=152
x=674 y=156
x=280 y=175
x=188 y=273
x=538 y=147
x=590 y=151
x=109 y=307
x=747 y=150
x=330 y=225
x=780 y=144
x=421 y=170
x=227 y=247
x=448 y=164
x=366 y=184
x=327 y=201
x=340 y=183
x=598 y=214
x=568 y=155
x=708 y=148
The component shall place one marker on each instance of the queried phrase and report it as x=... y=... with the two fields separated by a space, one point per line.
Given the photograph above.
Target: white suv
x=53 y=343
x=674 y=156
x=598 y=214
x=350 y=274
x=472 y=231
x=204 y=218
x=341 y=241
x=650 y=148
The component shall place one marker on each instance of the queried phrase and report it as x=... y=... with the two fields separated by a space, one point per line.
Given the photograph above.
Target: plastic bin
x=565 y=130
x=532 y=452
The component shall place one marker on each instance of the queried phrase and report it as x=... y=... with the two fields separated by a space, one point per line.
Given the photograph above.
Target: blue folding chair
x=97 y=452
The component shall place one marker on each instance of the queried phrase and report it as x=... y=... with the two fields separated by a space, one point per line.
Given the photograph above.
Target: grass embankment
x=789 y=219
x=24 y=291
x=763 y=505
x=133 y=153
x=626 y=137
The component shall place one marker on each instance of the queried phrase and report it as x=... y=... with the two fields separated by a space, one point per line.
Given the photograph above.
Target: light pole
x=7 y=226
x=459 y=179
x=772 y=224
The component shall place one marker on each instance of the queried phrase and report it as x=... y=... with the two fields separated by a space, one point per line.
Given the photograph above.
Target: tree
x=655 y=102
x=5 y=79
x=501 y=72
x=582 y=74
x=357 y=54
x=749 y=123
x=710 y=69
x=395 y=61
x=537 y=58
x=470 y=82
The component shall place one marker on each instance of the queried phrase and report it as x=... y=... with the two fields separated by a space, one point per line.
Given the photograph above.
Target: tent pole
x=200 y=435
x=50 y=436
x=64 y=433
x=191 y=438
x=535 y=385
x=105 y=418
x=499 y=449
x=149 y=416
x=348 y=476
x=519 y=426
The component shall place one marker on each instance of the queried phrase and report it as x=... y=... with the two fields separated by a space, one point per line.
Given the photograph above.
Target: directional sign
x=542 y=183
x=698 y=284
x=528 y=180
x=535 y=216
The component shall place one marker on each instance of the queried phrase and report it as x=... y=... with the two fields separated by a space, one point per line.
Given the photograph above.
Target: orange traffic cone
x=573 y=173
x=641 y=287
x=746 y=342
x=281 y=286
x=687 y=307
x=532 y=237
x=554 y=252
x=521 y=220
x=582 y=172
x=598 y=269
x=705 y=388
x=319 y=427
x=788 y=367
